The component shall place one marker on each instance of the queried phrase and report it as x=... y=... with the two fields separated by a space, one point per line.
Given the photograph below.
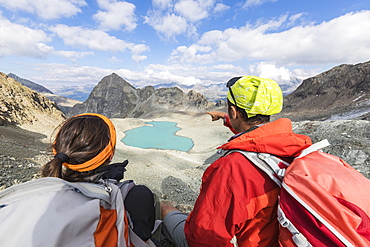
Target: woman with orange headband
x=84 y=143
x=83 y=148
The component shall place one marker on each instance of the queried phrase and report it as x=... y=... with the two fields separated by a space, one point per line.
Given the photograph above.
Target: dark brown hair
x=258 y=119
x=81 y=138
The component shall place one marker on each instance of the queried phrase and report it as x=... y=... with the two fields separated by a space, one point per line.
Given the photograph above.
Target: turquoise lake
x=160 y=135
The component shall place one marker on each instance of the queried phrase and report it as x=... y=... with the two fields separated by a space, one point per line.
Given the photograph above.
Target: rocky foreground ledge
x=14 y=171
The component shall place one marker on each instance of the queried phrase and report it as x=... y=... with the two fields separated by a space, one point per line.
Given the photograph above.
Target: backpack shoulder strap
x=268 y=163
x=314 y=147
x=92 y=190
x=50 y=184
x=124 y=188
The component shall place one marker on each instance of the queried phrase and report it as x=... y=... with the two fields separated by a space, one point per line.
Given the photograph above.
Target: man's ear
x=233 y=113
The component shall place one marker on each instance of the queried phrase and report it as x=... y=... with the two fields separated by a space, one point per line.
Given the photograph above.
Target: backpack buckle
x=263 y=156
x=284 y=222
x=300 y=240
x=108 y=189
x=281 y=173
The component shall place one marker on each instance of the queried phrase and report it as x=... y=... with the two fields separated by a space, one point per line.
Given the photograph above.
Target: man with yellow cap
x=237 y=204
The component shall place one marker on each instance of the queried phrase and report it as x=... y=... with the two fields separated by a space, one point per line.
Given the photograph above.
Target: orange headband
x=106 y=153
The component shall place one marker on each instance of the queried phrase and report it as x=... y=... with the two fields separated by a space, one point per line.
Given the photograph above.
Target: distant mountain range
x=216 y=92
x=213 y=92
x=339 y=93
x=115 y=97
x=76 y=92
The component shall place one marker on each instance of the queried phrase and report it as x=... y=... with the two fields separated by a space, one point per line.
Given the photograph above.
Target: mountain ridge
x=30 y=84
x=342 y=92
x=22 y=105
x=64 y=103
x=115 y=97
x=339 y=93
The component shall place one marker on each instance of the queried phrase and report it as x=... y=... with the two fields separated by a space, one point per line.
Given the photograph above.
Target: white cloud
x=47 y=9
x=265 y=70
x=138 y=58
x=162 y=4
x=304 y=73
x=194 y=10
x=115 y=60
x=97 y=40
x=340 y=40
x=220 y=7
x=173 y=18
x=137 y=50
x=73 y=55
x=167 y=26
x=186 y=54
x=158 y=74
x=295 y=17
x=140 y=48
x=87 y=38
x=31 y=44
x=190 y=81
x=186 y=74
x=224 y=66
x=251 y=3
x=116 y=14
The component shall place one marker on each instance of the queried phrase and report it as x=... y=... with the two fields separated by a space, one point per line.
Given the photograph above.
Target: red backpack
x=323 y=201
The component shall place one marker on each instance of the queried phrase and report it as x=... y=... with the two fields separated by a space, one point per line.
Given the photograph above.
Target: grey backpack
x=53 y=212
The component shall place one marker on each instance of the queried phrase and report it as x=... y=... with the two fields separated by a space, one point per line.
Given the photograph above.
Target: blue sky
x=75 y=43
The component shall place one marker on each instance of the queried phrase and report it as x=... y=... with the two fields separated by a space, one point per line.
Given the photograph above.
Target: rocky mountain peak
x=114 y=80
x=116 y=98
x=342 y=90
x=34 y=86
x=21 y=105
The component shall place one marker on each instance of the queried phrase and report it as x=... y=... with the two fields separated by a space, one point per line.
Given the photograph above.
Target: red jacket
x=238 y=199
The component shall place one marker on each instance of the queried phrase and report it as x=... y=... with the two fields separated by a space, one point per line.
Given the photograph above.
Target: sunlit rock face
x=116 y=98
x=21 y=105
x=342 y=92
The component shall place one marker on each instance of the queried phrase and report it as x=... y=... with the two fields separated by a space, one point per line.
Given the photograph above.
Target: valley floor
x=173 y=175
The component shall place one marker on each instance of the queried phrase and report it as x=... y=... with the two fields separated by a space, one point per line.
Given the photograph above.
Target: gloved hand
x=114 y=171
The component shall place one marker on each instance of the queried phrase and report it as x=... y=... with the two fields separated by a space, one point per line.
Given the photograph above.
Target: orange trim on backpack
x=106 y=153
x=127 y=230
x=106 y=234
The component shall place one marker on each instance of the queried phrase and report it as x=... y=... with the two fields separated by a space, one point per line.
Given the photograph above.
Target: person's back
x=235 y=192
x=79 y=197
x=237 y=203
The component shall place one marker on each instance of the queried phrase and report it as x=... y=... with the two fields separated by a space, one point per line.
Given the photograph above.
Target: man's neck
x=247 y=126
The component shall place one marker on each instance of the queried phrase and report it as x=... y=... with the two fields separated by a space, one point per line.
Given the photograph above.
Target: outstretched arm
x=216 y=115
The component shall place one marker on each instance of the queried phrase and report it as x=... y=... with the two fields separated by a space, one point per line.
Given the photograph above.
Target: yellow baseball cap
x=256 y=95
